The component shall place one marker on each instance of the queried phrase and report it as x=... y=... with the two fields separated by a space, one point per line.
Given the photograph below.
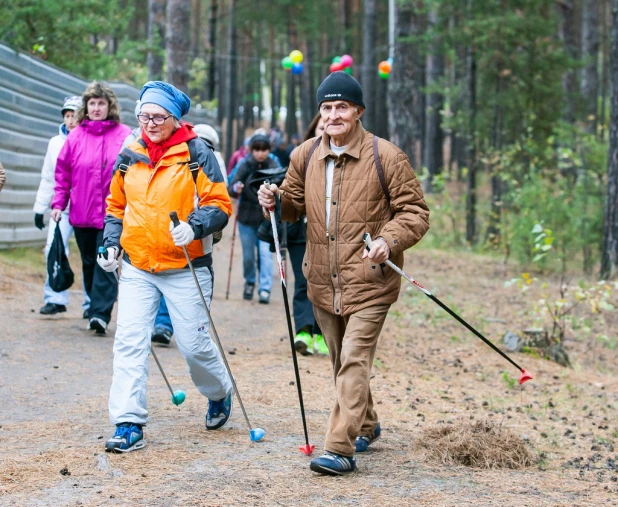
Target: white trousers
x=66 y=229
x=138 y=301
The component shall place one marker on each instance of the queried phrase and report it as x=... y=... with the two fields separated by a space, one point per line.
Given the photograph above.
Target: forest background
x=504 y=106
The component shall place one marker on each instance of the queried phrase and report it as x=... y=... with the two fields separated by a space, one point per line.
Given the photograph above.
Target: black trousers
x=101 y=286
x=303 y=309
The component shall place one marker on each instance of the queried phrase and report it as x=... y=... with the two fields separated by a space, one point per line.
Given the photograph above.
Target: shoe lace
x=124 y=431
x=216 y=407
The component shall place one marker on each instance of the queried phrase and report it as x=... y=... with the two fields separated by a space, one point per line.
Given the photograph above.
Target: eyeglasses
x=157 y=119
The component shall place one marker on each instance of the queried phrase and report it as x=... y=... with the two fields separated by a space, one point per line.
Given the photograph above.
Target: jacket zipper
x=337 y=230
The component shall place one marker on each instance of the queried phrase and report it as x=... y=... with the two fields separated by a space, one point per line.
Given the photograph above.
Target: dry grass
x=481 y=444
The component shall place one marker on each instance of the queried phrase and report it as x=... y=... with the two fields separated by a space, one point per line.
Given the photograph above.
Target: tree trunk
x=230 y=95
x=470 y=142
x=604 y=68
x=609 y=257
x=212 y=42
x=434 y=136
x=307 y=113
x=290 y=104
x=196 y=27
x=567 y=36
x=178 y=44
x=380 y=101
x=156 y=39
x=493 y=229
x=401 y=117
x=368 y=69
x=590 y=54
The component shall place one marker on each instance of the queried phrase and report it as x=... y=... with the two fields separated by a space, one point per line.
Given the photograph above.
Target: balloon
x=348 y=70
x=296 y=56
x=346 y=61
x=390 y=60
x=287 y=63
x=384 y=67
x=383 y=75
x=336 y=59
x=297 y=68
x=334 y=67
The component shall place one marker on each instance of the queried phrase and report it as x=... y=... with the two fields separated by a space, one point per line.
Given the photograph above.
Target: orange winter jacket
x=141 y=199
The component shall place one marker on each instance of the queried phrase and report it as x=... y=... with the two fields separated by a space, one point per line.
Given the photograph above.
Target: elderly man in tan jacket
x=349 y=182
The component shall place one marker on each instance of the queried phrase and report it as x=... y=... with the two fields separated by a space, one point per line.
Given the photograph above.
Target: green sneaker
x=304 y=343
x=320 y=345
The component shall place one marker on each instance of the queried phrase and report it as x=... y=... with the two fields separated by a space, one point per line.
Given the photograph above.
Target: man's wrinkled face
x=339 y=117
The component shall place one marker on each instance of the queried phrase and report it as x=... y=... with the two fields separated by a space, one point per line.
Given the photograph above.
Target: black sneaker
x=248 y=292
x=333 y=464
x=86 y=314
x=52 y=309
x=99 y=326
x=162 y=336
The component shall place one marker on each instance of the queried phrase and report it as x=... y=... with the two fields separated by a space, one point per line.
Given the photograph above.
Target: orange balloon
x=384 y=67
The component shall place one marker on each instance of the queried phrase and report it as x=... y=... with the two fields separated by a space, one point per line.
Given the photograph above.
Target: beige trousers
x=352 y=342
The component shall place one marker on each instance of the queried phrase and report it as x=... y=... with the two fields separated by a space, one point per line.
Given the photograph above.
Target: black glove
x=38 y=221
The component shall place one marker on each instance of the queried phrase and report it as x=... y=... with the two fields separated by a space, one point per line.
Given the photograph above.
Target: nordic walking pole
x=229 y=271
x=308 y=448
x=178 y=396
x=255 y=434
x=525 y=376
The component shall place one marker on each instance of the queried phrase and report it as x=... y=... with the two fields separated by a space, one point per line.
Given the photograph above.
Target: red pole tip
x=525 y=376
x=307 y=449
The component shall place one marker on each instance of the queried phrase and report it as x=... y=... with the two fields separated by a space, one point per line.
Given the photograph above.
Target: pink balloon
x=346 y=61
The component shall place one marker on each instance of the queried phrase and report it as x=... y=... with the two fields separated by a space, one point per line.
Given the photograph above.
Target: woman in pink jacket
x=83 y=175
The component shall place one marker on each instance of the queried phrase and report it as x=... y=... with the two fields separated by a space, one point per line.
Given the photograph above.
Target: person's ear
x=360 y=110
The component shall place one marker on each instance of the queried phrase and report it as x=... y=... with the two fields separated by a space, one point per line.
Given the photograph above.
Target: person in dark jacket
x=251 y=173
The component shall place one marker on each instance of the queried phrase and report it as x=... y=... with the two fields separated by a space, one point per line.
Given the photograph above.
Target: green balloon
x=337 y=59
x=348 y=70
x=382 y=75
x=287 y=63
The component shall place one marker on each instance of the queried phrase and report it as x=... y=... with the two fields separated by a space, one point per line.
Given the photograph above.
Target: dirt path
x=55 y=377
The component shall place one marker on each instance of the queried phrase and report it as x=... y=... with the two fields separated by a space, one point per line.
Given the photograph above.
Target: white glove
x=111 y=263
x=182 y=234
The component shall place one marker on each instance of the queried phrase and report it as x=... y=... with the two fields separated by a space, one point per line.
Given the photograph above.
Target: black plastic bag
x=60 y=274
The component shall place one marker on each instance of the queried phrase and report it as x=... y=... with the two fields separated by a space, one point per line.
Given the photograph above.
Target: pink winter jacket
x=84 y=170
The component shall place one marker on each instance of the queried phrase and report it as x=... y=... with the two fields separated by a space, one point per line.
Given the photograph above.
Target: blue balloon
x=297 y=68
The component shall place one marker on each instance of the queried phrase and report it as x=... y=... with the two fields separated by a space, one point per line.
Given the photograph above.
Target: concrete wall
x=31 y=95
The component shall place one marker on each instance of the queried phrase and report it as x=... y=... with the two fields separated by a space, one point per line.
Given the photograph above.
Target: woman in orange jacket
x=153 y=176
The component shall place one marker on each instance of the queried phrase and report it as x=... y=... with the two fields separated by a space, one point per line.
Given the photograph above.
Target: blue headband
x=167 y=96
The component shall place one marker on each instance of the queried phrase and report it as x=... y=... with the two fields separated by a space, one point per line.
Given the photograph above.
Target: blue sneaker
x=219 y=412
x=362 y=443
x=128 y=437
x=333 y=464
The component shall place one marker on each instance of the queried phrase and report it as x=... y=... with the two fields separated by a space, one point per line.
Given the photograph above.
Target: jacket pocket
x=374 y=273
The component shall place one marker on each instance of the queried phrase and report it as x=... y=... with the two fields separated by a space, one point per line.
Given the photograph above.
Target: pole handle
x=174 y=218
x=103 y=252
x=367 y=240
x=267 y=182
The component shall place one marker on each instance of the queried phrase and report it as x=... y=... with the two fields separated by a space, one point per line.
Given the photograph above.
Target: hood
x=98 y=128
x=63 y=131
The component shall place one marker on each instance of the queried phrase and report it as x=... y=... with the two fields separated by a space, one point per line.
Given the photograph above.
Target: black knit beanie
x=340 y=86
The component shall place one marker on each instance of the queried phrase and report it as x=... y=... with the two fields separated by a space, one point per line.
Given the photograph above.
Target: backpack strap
x=378 y=162
x=194 y=165
x=309 y=155
x=123 y=166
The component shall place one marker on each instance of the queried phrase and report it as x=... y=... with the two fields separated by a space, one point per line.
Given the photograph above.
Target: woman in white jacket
x=56 y=302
